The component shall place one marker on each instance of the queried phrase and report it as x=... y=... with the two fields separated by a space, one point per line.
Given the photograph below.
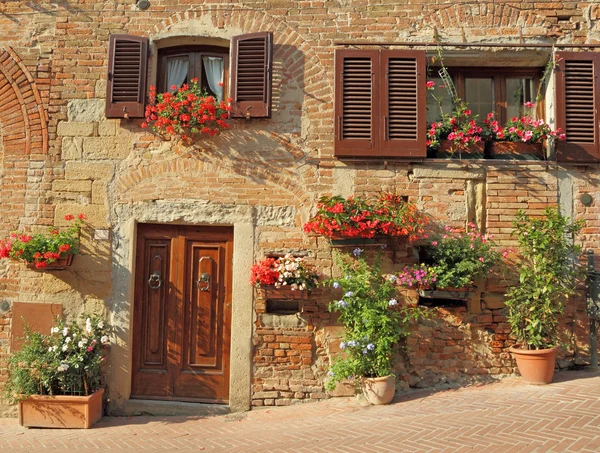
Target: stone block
x=72 y=186
x=99 y=195
x=101 y=148
x=96 y=215
x=261 y=395
x=100 y=89
x=108 y=128
x=75 y=129
x=88 y=170
x=86 y=110
x=494 y=301
x=72 y=148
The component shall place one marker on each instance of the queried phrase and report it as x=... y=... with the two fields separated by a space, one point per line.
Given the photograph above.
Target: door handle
x=204 y=279
x=155 y=282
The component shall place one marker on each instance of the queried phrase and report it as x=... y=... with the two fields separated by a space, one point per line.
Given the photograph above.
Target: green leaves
x=548 y=274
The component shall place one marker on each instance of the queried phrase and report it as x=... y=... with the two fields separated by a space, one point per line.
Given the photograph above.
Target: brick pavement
x=506 y=416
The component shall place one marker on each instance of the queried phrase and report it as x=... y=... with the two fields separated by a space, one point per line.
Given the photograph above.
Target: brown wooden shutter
x=356 y=103
x=403 y=103
x=126 y=86
x=252 y=58
x=577 y=106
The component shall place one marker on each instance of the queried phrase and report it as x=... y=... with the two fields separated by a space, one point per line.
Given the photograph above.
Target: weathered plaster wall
x=263 y=177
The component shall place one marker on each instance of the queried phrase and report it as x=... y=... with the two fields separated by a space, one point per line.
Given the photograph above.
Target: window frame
x=459 y=74
x=196 y=50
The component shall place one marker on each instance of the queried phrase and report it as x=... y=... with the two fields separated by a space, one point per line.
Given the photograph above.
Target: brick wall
x=60 y=155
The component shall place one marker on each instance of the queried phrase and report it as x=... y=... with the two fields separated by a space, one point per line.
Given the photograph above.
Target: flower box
x=272 y=292
x=516 y=149
x=58 y=265
x=61 y=411
x=449 y=149
x=447 y=293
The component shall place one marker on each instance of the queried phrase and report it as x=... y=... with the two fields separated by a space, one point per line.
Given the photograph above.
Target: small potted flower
x=287 y=277
x=452 y=262
x=375 y=323
x=186 y=111
x=548 y=274
x=458 y=133
x=56 y=378
x=389 y=215
x=53 y=250
x=522 y=135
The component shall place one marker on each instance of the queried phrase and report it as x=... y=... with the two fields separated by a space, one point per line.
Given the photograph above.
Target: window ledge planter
x=505 y=149
x=61 y=411
x=272 y=292
x=447 y=293
x=449 y=149
x=58 y=265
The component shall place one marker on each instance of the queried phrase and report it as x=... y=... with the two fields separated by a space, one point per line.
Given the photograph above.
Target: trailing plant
x=374 y=319
x=42 y=249
x=290 y=271
x=66 y=361
x=548 y=275
x=388 y=215
x=186 y=110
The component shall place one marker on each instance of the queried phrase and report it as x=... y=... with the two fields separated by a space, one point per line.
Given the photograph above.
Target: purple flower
x=370 y=346
x=365 y=351
x=352 y=343
x=349 y=294
x=343 y=345
x=342 y=303
x=336 y=285
x=357 y=251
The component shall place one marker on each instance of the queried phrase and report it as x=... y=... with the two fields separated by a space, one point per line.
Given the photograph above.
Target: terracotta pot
x=58 y=265
x=61 y=411
x=516 y=148
x=536 y=365
x=449 y=149
x=283 y=292
x=379 y=390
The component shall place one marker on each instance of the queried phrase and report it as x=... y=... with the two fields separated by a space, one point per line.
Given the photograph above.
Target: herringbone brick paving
x=504 y=417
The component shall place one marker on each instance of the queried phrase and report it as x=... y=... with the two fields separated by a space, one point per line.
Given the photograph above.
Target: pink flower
x=481 y=259
x=434 y=243
x=430 y=84
x=529 y=104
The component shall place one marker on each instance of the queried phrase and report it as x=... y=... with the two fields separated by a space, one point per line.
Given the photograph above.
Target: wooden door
x=182 y=313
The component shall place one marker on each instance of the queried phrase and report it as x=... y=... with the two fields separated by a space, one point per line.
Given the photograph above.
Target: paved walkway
x=506 y=416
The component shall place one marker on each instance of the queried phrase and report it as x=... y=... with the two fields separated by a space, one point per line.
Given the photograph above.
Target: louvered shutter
x=577 y=106
x=356 y=103
x=126 y=86
x=403 y=103
x=252 y=58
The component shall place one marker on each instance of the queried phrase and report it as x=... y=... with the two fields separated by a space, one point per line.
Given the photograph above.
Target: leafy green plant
x=455 y=259
x=548 y=275
x=42 y=249
x=375 y=321
x=67 y=361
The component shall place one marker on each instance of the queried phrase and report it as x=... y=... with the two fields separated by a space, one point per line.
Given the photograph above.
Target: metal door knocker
x=155 y=282
x=204 y=278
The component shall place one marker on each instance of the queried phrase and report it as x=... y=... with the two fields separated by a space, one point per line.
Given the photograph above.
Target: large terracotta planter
x=379 y=390
x=536 y=365
x=61 y=411
x=516 y=149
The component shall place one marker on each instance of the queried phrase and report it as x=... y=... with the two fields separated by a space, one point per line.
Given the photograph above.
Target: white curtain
x=213 y=67
x=177 y=71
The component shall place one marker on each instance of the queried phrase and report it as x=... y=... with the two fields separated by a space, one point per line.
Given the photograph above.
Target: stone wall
x=60 y=155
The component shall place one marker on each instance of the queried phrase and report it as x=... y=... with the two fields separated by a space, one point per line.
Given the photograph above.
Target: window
x=500 y=90
x=178 y=65
x=251 y=60
x=380 y=103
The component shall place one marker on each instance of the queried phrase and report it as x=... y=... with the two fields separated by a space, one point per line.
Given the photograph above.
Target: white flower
x=63 y=367
x=84 y=340
x=64 y=348
x=104 y=339
x=392 y=302
x=50 y=349
x=67 y=340
x=80 y=344
x=100 y=325
x=54 y=348
x=54 y=330
x=65 y=331
x=88 y=325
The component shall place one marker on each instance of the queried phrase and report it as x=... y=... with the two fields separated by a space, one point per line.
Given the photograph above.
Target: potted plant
x=520 y=135
x=55 y=378
x=548 y=273
x=375 y=322
x=287 y=277
x=365 y=218
x=458 y=132
x=453 y=261
x=186 y=111
x=53 y=250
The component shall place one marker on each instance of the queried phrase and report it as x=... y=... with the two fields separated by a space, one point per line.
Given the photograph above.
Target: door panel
x=182 y=349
